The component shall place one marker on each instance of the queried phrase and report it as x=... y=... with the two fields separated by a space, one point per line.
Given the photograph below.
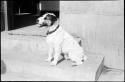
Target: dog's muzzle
x=43 y=25
x=40 y=25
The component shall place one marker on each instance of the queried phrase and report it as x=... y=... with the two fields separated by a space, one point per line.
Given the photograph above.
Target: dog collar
x=50 y=32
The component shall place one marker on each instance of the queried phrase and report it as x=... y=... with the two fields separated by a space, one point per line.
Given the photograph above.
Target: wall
x=50 y=5
x=100 y=24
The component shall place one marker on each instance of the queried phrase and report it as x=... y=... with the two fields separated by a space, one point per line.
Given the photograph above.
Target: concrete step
x=25 y=56
x=36 y=66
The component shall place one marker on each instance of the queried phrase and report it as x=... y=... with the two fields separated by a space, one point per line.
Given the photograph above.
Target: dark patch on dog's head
x=52 y=18
x=48 y=19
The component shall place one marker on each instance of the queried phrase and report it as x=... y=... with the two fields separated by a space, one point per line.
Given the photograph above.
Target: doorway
x=23 y=13
x=48 y=6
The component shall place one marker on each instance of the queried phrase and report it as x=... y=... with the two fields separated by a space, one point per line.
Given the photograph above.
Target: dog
x=60 y=41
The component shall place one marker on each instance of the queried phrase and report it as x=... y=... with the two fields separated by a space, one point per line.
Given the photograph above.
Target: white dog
x=60 y=41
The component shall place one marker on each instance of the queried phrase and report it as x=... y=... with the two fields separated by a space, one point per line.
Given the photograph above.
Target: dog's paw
x=48 y=60
x=66 y=58
x=76 y=63
x=53 y=63
x=85 y=58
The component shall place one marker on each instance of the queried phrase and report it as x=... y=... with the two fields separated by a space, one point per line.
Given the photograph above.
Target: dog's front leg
x=56 y=56
x=50 y=53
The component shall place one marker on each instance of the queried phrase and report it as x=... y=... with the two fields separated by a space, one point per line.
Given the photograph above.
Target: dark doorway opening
x=23 y=13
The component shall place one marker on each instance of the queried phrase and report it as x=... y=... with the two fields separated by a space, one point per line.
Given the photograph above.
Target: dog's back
x=69 y=43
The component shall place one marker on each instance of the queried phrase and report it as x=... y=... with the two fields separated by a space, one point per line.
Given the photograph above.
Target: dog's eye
x=45 y=18
x=49 y=17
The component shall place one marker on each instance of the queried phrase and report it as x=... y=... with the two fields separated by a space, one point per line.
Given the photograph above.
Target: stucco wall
x=100 y=24
x=50 y=5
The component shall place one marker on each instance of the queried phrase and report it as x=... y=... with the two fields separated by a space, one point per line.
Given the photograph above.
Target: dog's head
x=46 y=20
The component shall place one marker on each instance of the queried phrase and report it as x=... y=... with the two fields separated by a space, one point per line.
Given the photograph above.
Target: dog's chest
x=50 y=38
x=54 y=38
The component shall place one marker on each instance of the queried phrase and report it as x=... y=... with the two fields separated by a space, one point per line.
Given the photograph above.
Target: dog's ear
x=53 y=20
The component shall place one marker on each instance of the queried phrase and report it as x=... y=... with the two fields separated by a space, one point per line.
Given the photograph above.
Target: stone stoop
x=25 y=56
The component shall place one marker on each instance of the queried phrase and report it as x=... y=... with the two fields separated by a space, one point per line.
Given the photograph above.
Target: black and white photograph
x=62 y=40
